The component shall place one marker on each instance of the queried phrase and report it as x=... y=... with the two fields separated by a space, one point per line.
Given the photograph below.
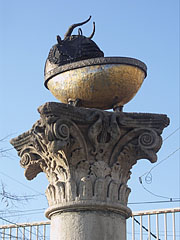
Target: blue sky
x=146 y=30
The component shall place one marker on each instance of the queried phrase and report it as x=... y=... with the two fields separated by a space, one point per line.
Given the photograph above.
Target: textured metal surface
x=74 y=48
x=99 y=82
x=51 y=69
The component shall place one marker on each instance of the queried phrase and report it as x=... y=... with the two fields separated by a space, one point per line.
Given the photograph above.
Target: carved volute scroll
x=87 y=154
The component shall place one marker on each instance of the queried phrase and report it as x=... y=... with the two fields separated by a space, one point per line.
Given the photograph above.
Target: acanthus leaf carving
x=103 y=135
x=87 y=157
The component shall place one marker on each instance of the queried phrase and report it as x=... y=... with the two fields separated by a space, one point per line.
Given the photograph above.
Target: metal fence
x=26 y=231
x=161 y=224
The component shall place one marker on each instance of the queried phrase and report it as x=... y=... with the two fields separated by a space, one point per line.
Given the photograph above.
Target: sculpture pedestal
x=87 y=155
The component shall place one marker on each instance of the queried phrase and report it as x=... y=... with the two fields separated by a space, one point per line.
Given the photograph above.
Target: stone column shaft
x=87 y=155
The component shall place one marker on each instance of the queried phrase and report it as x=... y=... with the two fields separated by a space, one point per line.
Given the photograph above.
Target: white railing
x=161 y=224
x=26 y=231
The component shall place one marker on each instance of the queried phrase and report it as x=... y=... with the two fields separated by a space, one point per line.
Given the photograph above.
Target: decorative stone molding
x=87 y=154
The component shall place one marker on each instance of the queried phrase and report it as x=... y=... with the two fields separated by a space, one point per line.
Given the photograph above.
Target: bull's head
x=74 y=47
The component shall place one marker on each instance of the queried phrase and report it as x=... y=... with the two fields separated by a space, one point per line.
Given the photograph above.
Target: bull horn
x=71 y=28
x=59 y=39
x=80 y=31
x=92 y=34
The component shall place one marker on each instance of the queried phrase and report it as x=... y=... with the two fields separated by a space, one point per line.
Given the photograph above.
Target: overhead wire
x=19 y=225
x=25 y=214
x=7 y=136
x=146 y=173
x=157 y=195
x=171 y=133
x=14 y=224
x=7 y=195
x=146 y=229
x=5 y=150
x=10 y=236
x=148 y=176
x=28 y=210
x=32 y=189
x=155 y=202
x=41 y=210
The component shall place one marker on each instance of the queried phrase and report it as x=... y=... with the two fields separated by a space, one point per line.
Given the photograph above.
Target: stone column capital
x=87 y=154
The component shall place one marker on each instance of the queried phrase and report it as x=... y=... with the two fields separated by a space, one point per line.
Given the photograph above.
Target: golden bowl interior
x=98 y=86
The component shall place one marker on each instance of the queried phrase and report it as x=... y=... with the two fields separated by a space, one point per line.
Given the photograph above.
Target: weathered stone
x=88 y=225
x=87 y=155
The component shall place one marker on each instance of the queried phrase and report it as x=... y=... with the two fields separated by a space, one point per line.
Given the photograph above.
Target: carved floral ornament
x=86 y=153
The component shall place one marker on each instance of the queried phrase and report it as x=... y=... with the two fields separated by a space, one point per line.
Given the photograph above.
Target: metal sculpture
x=76 y=72
x=74 y=47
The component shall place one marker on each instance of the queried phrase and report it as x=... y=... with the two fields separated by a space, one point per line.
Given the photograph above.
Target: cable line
x=154 y=194
x=146 y=173
x=32 y=189
x=171 y=134
x=25 y=214
x=152 y=234
x=14 y=224
x=152 y=202
x=19 y=225
x=30 y=210
x=164 y=159
x=10 y=236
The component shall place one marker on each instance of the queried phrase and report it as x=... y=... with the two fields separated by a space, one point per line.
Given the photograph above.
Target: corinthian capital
x=87 y=154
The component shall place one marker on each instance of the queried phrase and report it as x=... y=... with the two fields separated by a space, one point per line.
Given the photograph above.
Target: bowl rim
x=92 y=62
